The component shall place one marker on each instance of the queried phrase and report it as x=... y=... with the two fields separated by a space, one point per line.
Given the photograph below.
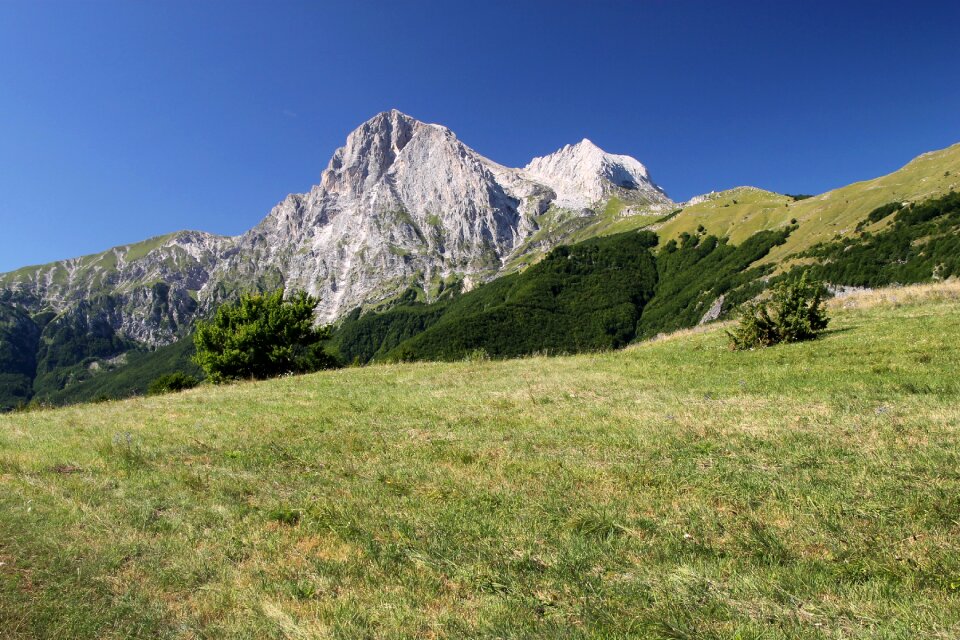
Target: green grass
x=142 y=249
x=672 y=490
x=828 y=216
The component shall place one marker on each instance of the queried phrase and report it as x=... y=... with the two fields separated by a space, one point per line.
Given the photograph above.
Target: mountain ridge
x=384 y=167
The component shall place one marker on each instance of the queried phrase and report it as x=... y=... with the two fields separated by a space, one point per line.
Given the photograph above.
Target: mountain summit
x=405 y=203
x=584 y=174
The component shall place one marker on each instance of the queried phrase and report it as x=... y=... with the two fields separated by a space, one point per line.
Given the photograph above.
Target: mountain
x=407 y=213
x=153 y=286
x=599 y=294
x=403 y=204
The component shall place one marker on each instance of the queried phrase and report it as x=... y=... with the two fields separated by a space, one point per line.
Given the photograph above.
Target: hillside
x=674 y=489
x=598 y=294
x=405 y=213
x=741 y=212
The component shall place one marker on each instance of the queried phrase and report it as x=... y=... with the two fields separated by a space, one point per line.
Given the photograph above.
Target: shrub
x=477 y=355
x=262 y=336
x=171 y=383
x=793 y=313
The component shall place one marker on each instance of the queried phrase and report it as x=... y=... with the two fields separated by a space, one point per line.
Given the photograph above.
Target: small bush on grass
x=793 y=313
x=171 y=382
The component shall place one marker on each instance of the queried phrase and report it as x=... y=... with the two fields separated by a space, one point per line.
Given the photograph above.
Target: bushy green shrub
x=172 y=382
x=477 y=355
x=793 y=313
x=262 y=336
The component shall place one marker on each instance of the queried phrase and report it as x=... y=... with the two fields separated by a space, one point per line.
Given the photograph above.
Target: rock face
x=583 y=175
x=714 y=311
x=402 y=204
x=152 y=286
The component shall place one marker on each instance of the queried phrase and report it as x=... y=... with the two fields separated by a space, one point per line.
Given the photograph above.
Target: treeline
x=132 y=378
x=19 y=341
x=695 y=271
x=920 y=244
x=50 y=359
x=586 y=296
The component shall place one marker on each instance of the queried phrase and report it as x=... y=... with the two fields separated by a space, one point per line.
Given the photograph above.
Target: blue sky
x=124 y=120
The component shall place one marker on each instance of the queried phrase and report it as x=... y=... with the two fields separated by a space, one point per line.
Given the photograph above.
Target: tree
x=793 y=313
x=262 y=336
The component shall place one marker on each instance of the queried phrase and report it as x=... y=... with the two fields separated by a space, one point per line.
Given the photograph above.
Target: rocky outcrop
x=714 y=311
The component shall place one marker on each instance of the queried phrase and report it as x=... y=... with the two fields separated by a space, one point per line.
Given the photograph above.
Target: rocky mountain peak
x=372 y=149
x=369 y=152
x=586 y=145
x=583 y=174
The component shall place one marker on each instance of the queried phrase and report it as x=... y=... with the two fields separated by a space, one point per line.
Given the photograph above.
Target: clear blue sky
x=124 y=120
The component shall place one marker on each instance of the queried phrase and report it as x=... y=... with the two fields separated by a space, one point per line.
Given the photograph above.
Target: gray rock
x=714 y=311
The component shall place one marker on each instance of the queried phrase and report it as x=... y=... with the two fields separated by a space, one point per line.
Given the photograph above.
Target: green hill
x=739 y=213
x=674 y=489
x=895 y=245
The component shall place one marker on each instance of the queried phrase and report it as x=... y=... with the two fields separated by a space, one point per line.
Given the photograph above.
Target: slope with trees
x=599 y=294
x=920 y=243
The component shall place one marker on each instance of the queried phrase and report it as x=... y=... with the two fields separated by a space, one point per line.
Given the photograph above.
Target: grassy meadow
x=674 y=489
x=739 y=213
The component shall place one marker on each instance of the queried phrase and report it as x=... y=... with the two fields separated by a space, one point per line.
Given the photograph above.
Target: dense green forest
x=19 y=340
x=697 y=270
x=598 y=294
x=584 y=297
x=59 y=360
x=131 y=378
x=72 y=346
x=922 y=243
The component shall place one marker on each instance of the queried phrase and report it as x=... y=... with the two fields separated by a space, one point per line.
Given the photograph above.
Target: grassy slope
x=822 y=217
x=675 y=489
x=105 y=261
